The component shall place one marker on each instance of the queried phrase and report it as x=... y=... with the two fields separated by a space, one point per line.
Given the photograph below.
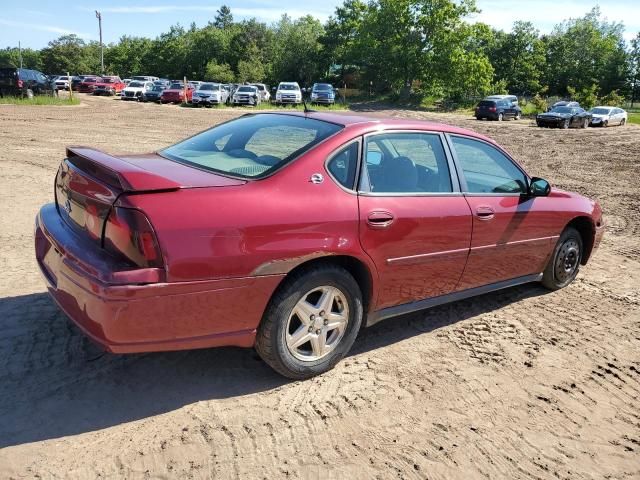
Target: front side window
x=486 y=169
x=407 y=163
x=343 y=165
x=252 y=146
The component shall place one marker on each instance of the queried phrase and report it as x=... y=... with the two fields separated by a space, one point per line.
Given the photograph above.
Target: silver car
x=209 y=94
x=605 y=116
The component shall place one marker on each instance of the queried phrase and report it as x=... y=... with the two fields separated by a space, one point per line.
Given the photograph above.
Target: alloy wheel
x=567 y=260
x=317 y=323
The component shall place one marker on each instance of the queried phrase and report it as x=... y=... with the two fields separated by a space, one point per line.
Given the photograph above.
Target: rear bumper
x=128 y=318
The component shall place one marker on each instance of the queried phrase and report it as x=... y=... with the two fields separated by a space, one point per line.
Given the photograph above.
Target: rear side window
x=343 y=165
x=407 y=163
x=486 y=169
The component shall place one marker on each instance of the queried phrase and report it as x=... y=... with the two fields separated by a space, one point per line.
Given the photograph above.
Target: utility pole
x=20 y=53
x=99 y=17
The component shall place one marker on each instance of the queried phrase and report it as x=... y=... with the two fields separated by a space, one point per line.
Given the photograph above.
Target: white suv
x=288 y=92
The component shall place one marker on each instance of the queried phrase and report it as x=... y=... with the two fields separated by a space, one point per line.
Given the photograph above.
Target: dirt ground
x=522 y=383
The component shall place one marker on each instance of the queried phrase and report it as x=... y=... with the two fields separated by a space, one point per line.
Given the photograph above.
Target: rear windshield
x=251 y=146
x=487 y=103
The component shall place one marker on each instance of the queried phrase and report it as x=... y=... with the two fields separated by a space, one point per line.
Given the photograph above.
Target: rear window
x=252 y=146
x=487 y=103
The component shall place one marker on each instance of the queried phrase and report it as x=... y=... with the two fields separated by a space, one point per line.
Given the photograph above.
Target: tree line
x=399 y=47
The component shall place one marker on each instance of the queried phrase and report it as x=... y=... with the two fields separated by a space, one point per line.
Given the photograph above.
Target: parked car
x=166 y=83
x=111 y=85
x=498 y=109
x=120 y=256
x=209 y=94
x=288 y=92
x=62 y=82
x=135 y=90
x=564 y=103
x=155 y=94
x=511 y=98
x=246 y=95
x=22 y=82
x=176 y=94
x=126 y=81
x=88 y=84
x=265 y=96
x=605 y=116
x=323 y=93
x=144 y=78
x=564 y=117
x=77 y=80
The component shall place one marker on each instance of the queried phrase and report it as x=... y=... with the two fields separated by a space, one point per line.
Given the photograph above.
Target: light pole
x=99 y=17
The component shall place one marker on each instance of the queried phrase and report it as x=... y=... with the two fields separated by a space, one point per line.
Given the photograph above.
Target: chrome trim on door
x=427 y=256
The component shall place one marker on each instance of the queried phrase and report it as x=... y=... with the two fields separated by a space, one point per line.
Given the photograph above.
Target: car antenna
x=307 y=109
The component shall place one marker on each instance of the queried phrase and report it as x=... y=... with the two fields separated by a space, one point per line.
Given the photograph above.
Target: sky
x=37 y=22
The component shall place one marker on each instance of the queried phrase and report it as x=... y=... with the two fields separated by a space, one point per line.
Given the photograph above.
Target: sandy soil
x=519 y=384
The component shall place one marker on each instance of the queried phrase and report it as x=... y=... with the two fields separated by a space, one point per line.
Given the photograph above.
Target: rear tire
x=319 y=346
x=585 y=123
x=622 y=122
x=500 y=117
x=29 y=93
x=564 y=263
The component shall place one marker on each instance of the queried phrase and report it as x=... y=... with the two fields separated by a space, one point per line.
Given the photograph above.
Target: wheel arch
x=360 y=271
x=587 y=230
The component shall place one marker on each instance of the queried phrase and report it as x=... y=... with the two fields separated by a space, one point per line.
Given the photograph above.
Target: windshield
x=136 y=84
x=209 y=86
x=109 y=80
x=251 y=146
x=158 y=88
x=601 y=111
x=90 y=80
x=176 y=86
x=562 y=110
x=322 y=87
x=247 y=89
x=288 y=87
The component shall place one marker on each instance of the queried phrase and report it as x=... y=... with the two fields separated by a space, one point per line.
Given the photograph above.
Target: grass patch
x=634 y=118
x=40 y=100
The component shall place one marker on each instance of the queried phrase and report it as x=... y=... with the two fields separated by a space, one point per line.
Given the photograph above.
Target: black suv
x=21 y=82
x=497 y=109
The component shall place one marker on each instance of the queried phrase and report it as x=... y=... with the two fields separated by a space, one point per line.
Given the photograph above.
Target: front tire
x=311 y=322
x=565 y=124
x=564 y=263
x=518 y=116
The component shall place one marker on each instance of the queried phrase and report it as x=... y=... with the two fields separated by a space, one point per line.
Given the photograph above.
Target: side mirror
x=539 y=187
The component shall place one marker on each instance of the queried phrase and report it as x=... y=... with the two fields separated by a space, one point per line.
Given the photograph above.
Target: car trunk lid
x=89 y=182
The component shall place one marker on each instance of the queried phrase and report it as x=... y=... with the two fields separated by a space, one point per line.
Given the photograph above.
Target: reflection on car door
x=513 y=234
x=414 y=222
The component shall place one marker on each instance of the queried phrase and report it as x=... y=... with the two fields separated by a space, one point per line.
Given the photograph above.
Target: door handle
x=485 y=212
x=379 y=219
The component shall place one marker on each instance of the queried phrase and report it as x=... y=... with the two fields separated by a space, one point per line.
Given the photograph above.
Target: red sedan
x=88 y=84
x=176 y=94
x=288 y=232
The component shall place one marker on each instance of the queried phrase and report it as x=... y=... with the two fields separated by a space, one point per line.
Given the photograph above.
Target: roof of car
x=371 y=123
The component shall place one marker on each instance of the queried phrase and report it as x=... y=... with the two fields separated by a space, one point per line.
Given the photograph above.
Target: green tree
x=634 y=69
x=223 y=19
x=219 y=72
x=65 y=54
x=518 y=58
x=586 y=51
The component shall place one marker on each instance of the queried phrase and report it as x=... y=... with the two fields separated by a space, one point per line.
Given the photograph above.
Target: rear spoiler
x=116 y=172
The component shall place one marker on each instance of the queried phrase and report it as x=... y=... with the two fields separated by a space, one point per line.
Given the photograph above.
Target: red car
x=108 y=86
x=288 y=232
x=88 y=84
x=176 y=94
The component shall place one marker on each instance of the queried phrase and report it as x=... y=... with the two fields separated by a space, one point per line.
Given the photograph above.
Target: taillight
x=129 y=234
x=20 y=83
x=492 y=109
